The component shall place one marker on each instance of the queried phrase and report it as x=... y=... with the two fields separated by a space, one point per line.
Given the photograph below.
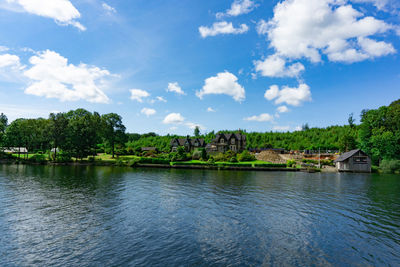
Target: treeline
x=80 y=133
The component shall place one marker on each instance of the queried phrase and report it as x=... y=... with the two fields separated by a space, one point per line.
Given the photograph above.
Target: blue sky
x=166 y=66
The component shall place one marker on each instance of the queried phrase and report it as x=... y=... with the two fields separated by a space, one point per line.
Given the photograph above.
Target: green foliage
x=196 y=131
x=379 y=132
x=197 y=154
x=390 y=166
x=246 y=156
x=38 y=158
x=271 y=165
x=211 y=160
x=291 y=163
x=233 y=160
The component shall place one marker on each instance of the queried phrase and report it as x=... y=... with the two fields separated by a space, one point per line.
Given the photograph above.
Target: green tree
x=3 y=126
x=197 y=131
x=57 y=130
x=351 y=120
x=113 y=130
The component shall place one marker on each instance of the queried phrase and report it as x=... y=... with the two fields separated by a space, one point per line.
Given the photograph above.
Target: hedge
x=270 y=165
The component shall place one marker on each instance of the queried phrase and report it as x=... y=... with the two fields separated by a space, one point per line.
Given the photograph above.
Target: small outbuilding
x=353 y=161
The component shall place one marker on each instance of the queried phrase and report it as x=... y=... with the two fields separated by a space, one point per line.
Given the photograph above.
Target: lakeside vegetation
x=80 y=134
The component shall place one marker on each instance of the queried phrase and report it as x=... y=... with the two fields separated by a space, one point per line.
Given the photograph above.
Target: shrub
x=211 y=160
x=38 y=158
x=390 y=165
x=270 y=165
x=233 y=160
x=196 y=154
x=63 y=157
x=219 y=157
x=235 y=165
x=91 y=159
x=290 y=163
x=246 y=156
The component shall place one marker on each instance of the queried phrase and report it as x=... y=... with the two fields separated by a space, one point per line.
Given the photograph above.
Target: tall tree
x=113 y=129
x=197 y=131
x=57 y=130
x=351 y=120
x=3 y=126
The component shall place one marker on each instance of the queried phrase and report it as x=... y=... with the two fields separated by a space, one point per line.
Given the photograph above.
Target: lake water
x=105 y=216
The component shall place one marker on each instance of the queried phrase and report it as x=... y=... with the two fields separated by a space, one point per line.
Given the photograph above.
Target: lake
x=113 y=216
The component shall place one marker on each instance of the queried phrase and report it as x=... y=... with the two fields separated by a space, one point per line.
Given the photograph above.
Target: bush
x=38 y=158
x=211 y=160
x=235 y=165
x=246 y=156
x=196 y=154
x=290 y=163
x=233 y=160
x=390 y=165
x=91 y=159
x=219 y=157
x=270 y=165
x=63 y=157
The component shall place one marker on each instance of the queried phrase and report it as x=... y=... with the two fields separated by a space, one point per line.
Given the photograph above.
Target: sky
x=167 y=66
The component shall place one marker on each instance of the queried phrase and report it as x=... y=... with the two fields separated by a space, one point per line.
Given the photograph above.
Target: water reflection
x=120 y=216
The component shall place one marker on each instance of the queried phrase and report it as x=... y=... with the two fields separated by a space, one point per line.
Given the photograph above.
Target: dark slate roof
x=181 y=141
x=347 y=155
x=228 y=136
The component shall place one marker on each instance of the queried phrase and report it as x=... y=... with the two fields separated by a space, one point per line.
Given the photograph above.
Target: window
x=232 y=141
x=360 y=160
x=222 y=140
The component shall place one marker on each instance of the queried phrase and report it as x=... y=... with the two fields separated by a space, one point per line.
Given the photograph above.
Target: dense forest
x=80 y=133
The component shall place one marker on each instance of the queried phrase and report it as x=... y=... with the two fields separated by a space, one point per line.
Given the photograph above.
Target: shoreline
x=159 y=166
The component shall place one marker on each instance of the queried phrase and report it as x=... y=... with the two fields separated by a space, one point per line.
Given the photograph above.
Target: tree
x=57 y=130
x=197 y=131
x=305 y=127
x=113 y=129
x=351 y=120
x=14 y=135
x=3 y=126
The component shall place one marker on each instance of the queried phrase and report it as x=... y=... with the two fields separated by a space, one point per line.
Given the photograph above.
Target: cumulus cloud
x=53 y=77
x=288 y=95
x=260 y=118
x=379 y=4
x=148 y=111
x=275 y=66
x=62 y=11
x=310 y=28
x=174 y=87
x=8 y=60
x=210 y=109
x=237 y=8
x=173 y=118
x=192 y=126
x=222 y=27
x=282 y=109
x=224 y=83
x=138 y=94
x=108 y=8
x=262 y=27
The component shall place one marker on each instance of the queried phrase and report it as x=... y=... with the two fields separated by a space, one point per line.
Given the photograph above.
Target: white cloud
x=275 y=66
x=262 y=27
x=173 y=118
x=224 y=83
x=309 y=28
x=290 y=96
x=281 y=128
x=174 y=87
x=238 y=7
x=298 y=128
x=8 y=60
x=282 y=109
x=261 y=118
x=52 y=77
x=222 y=27
x=161 y=99
x=108 y=8
x=138 y=94
x=210 y=109
x=148 y=111
x=62 y=11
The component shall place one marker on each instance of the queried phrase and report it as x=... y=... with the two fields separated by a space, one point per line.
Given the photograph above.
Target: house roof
x=181 y=141
x=228 y=136
x=347 y=155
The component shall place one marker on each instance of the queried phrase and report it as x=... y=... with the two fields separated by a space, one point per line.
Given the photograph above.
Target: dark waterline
x=105 y=216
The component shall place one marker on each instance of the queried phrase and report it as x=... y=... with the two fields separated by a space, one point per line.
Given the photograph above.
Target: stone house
x=235 y=142
x=190 y=144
